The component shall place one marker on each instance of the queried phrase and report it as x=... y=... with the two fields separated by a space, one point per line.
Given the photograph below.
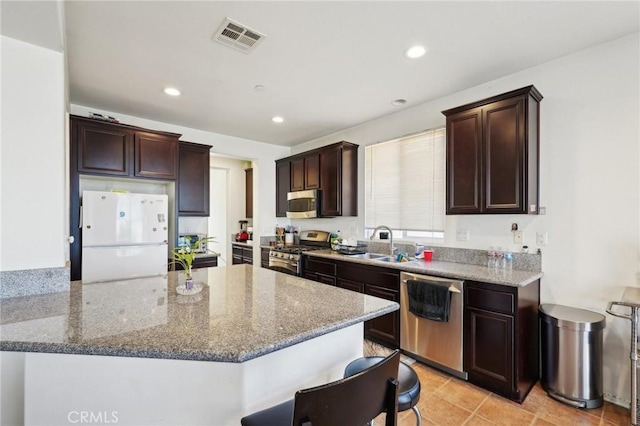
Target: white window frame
x=436 y=173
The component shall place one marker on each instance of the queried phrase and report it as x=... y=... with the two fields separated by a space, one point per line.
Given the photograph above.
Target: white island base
x=81 y=389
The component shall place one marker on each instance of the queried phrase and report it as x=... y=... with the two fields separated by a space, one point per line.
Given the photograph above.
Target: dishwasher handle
x=452 y=289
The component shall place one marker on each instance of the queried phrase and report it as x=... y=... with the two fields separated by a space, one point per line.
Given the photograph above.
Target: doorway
x=218 y=213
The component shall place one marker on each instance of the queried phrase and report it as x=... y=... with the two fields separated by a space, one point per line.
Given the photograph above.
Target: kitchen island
x=137 y=351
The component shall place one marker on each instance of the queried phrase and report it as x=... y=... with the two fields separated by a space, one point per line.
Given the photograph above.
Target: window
x=405 y=185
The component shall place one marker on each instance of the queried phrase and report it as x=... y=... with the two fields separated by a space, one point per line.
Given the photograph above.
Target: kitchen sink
x=377 y=257
x=371 y=256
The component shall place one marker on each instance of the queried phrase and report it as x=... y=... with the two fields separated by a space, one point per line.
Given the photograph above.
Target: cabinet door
x=264 y=257
x=104 y=149
x=358 y=287
x=297 y=174
x=384 y=329
x=247 y=255
x=326 y=279
x=330 y=181
x=312 y=172
x=489 y=350
x=193 y=180
x=464 y=160
x=248 y=199
x=236 y=255
x=283 y=186
x=504 y=145
x=156 y=156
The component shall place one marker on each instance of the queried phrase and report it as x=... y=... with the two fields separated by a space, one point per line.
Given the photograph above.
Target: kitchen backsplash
x=521 y=261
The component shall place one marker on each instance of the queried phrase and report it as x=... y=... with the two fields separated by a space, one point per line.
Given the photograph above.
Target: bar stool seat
x=408 y=383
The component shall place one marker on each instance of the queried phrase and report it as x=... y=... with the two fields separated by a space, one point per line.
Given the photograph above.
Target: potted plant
x=184 y=256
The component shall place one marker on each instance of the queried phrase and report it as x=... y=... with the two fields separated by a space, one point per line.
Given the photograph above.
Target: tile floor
x=446 y=400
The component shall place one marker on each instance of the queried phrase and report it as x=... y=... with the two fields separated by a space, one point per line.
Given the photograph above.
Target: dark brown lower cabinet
x=321 y=270
x=371 y=280
x=241 y=254
x=201 y=262
x=384 y=329
x=264 y=257
x=501 y=337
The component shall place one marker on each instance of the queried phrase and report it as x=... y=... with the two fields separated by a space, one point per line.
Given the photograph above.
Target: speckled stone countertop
x=462 y=271
x=243 y=312
x=241 y=244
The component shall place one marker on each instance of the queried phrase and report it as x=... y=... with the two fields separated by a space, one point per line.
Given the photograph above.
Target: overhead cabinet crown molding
x=493 y=154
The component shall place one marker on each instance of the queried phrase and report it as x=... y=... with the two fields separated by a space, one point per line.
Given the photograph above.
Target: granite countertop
x=205 y=255
x=241 y=244
x=462 y=271
x=243 y=312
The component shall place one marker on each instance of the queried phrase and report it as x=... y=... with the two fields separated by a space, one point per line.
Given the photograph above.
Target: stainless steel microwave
x=303 y=204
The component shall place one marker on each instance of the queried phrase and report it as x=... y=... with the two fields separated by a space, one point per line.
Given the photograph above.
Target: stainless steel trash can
x=571 y=345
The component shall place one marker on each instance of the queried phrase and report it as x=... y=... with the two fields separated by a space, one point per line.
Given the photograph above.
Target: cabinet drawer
x=371 y=275
x=321 y=266
x=493 y=299
x=207 y=262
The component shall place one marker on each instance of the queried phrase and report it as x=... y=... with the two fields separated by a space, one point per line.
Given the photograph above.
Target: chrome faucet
x=377 y=228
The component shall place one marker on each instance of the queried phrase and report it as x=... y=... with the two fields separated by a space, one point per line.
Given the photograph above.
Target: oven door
x=282 y=265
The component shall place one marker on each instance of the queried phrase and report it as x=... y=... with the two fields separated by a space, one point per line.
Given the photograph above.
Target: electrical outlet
x=542 y=238
x=517 y=237
x=463 y=235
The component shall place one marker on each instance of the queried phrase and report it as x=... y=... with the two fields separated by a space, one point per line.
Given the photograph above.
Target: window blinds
x=405 y=182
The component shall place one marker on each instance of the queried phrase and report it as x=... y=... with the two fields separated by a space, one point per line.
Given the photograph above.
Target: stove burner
x=296 y=249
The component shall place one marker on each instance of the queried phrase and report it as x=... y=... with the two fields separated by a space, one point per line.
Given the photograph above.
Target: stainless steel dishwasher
x=438 y=344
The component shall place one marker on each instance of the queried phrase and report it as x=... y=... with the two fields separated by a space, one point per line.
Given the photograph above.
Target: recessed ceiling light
x=277 y=119
x=415 y=52
x=398 y=102
x=172 y=91
x=259 y=87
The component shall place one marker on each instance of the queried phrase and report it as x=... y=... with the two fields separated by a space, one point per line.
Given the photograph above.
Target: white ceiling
x=325 y=66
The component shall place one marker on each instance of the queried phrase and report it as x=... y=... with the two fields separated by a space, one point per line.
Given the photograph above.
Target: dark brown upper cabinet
x=492 y=154
x=333 y=169
x=283 y=186
x=305 y=172
x=156 y=156
x=339 y=180
x=113 y=149
x=193 y=180
x=103 y=149
x=248 y=193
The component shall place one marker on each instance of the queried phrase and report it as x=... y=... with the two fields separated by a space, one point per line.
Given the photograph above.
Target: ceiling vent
x=237 y=36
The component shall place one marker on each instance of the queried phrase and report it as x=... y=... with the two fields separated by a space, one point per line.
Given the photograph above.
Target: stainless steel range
x=288 y=258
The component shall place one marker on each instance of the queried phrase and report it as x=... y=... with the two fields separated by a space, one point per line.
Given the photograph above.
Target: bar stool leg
x=418 y=416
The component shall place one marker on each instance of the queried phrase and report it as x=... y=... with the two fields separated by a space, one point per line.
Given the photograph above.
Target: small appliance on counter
x=243 y=235
x=196 y=242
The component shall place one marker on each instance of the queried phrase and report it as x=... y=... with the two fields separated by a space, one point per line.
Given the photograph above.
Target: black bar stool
x=408 y=383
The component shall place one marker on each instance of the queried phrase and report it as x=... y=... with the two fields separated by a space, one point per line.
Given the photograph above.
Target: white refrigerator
x=124 y=235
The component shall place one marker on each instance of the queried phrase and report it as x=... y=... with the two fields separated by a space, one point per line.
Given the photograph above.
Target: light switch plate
x=542 y=238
